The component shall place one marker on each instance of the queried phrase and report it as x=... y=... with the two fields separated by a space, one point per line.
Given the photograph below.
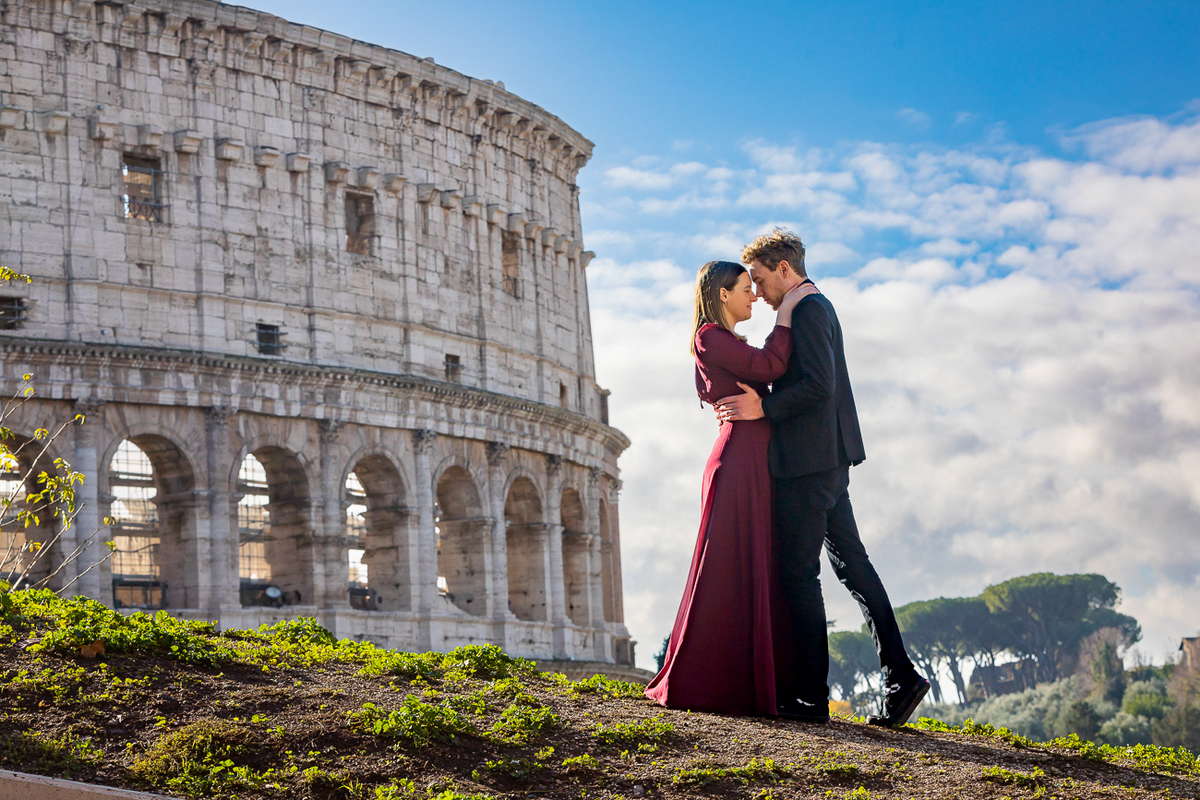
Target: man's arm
x=812 y=348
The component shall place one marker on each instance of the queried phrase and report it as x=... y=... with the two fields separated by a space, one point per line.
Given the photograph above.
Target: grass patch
x=755 y=770
x=633 y=735
x=201 y=760
x=972 y=728
x=1148 y=757
x=583 y=763
x=520 y=723
x=414 y=723
x=1027 y=780
x=603 y=685
x=33 y=751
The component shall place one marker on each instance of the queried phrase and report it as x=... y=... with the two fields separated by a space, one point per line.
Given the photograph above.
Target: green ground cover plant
x=754 y=770
x=288 y=711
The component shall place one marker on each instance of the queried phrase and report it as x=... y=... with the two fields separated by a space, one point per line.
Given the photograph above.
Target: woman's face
x=739 y=299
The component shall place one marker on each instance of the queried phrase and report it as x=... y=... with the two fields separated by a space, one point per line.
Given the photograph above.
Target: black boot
x=804 y=710
x=901 y=701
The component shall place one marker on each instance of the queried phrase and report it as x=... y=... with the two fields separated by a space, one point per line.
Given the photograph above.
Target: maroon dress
x=729 y=638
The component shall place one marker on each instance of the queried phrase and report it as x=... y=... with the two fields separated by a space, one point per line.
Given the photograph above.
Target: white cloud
x=1022 y=332
x=917 y=119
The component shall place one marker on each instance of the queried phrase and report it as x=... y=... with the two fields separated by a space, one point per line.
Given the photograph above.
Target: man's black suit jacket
x=814 y=425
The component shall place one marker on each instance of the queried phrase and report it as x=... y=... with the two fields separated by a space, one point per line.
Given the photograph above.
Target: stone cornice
x=211 y=34
x=190 y=361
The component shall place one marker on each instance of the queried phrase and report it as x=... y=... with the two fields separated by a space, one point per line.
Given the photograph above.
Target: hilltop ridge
x=157 y=703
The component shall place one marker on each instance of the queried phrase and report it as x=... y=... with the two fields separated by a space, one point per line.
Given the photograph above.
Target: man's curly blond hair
x=771 y=248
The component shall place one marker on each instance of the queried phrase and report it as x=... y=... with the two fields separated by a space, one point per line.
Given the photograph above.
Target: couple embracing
x=750 y=636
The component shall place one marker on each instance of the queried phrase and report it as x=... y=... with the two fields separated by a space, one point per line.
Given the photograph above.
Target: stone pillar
x=498 y=597
x=330 y=559
x=185 y=517
x=87 y=539
x=555 y=585
x=591 y=522
x=423 y=541
x=387 y=556
x=591 y=518
x=217 y=526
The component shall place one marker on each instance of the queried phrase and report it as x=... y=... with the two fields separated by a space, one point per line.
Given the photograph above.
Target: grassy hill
x=157 y=703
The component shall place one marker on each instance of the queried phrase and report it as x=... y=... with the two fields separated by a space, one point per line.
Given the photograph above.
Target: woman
x=726 y=646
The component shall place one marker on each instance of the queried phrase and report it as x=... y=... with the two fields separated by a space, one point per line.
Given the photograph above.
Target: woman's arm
x=718 y=347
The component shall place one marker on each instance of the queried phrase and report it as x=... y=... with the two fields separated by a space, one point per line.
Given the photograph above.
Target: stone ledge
x=577 y=670
x=464 y=396
x=39 y=787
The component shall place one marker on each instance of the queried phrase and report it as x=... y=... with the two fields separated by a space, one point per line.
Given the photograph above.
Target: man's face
x=768 y=284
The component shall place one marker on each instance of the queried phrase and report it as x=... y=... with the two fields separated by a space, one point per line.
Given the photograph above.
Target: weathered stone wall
x=456 y=340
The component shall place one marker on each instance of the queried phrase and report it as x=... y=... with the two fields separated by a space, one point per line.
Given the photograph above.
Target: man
x=815 y=438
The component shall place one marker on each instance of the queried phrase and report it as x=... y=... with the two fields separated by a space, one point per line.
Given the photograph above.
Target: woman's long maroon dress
x=727 y=643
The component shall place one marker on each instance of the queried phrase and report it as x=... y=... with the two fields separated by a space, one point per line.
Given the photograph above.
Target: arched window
x=575 y=558
x=136 y=566
x=460 y=526
x=275 y=554
x=254 y=521
x=356 y=532
x=525 y=539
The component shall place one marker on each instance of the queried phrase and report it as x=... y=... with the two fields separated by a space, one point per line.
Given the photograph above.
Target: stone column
x=185 y=516
x=217 y=526
x=591 y=519
x=330 y=559
x=387 y=558
x=498 y=600
x=423 y=541
x=555 y=586
x=87 y=539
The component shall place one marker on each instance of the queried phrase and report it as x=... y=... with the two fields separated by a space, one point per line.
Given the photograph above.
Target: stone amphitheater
x=324 y=306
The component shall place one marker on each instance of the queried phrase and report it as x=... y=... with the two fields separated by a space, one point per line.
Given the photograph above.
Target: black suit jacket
x=814 y=425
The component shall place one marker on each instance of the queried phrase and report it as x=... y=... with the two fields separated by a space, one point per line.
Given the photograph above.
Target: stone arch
x=274 y=522
x=377 y=525
x=150 y=484
x=16 y=558
x=607 y=566
x=525 y=538
x=461 y=533
x=575 y=556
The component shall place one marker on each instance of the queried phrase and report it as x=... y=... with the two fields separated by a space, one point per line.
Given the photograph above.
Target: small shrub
x=487 y=662
x=414 y=723
x=520 y=723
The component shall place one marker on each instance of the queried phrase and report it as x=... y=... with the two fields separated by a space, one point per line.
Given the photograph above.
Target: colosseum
x=324 y=306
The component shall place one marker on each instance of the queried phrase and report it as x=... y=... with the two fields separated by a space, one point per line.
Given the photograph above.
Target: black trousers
x=810 y=511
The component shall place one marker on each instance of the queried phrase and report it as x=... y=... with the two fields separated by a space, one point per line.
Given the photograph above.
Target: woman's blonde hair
x=710 y=280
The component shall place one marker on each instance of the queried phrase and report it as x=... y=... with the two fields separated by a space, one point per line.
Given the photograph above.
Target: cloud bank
x=1023 y=334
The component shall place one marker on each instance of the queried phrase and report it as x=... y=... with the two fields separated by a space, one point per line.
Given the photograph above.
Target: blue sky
x=1001 y=200
x=636 y=76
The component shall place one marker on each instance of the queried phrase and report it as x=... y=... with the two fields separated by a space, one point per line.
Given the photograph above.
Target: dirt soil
x=299 y=717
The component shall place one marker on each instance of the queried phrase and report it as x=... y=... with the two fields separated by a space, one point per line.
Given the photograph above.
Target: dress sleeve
x=718 y=347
